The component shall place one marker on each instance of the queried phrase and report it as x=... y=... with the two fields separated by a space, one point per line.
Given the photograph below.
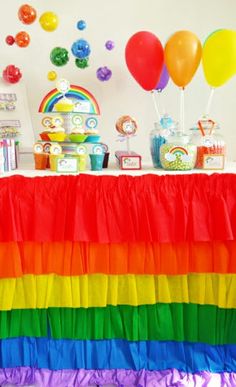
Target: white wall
x=118 y=20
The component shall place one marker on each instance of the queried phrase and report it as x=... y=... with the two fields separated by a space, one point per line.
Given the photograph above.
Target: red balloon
x=10 y=40
x=22 y=39
x=27 y=14
x=144 y=56
x=11 y=74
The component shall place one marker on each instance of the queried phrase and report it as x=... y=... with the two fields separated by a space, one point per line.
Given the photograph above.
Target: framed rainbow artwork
x=83 y=100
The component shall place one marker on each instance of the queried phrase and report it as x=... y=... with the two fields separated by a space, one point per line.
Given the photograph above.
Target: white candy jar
x=177 y=153
x=158 y=136
x=210 y=144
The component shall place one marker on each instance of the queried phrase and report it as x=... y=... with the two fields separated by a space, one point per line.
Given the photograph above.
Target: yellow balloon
x=48 y=21
x=183 y=52
x=219 y=57
x=52 y=75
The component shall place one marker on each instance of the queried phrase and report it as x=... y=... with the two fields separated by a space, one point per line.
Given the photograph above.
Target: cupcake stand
x=70 y=130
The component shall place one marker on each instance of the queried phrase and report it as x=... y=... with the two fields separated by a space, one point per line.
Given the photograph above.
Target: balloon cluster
x=27 y=15
x=59 y=56
x=151 y=65
x=49 y=22
x=81 y=50
x=104 y=73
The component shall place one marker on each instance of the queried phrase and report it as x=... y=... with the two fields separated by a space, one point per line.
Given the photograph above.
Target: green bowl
x=74 y=137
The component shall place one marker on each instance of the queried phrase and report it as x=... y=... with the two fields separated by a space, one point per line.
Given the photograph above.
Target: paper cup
x=106 y=159
x=82 y=162
x=96 y=161
x=40 y=160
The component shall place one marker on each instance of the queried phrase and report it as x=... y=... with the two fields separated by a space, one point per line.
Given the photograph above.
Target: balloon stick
x=160 y=101
x=156 y=107
x=128 y=144
x=209 y=102
x=182 y=124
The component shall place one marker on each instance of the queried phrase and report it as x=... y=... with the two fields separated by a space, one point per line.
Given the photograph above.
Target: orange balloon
x=183 y=52
x=22 y=39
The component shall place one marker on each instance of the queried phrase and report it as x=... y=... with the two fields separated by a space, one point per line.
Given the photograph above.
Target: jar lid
x=206 y=124
x=179 y=138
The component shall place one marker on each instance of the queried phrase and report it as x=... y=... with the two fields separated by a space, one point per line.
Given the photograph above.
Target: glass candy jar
x=209 y=141
x=158 y=136
x=178 y=153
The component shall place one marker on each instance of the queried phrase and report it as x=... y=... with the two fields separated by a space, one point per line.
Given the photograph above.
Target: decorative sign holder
x=127 y=160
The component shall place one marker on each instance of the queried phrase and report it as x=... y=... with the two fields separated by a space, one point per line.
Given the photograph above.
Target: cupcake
x=64 y=105
x=78 y=131
x=78 y=135
x=57 y=132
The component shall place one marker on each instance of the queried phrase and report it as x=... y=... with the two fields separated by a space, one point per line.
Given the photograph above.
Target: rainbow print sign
x=83 y=100
x=178 y=150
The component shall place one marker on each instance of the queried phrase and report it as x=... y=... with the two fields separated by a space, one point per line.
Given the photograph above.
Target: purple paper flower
x=104 y=74
x=109 y=45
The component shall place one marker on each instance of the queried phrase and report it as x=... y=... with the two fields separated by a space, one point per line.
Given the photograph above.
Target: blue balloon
x=81 y=25
x=80 y=48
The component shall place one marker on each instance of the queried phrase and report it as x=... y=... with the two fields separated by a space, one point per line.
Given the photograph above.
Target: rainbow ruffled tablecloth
x=124 y=280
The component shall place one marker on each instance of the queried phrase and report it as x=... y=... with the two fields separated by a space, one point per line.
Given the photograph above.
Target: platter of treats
x=82 y=130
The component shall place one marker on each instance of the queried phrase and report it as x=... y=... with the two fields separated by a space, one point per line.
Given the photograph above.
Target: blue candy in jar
x=158 y=137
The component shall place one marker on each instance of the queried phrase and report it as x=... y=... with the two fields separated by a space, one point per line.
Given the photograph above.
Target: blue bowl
x=92 y=138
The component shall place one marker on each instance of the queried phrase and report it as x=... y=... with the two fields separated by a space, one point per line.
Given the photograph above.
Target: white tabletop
x=29 y=171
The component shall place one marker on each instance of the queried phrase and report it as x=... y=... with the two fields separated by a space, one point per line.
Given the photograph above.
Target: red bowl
x=44 y=136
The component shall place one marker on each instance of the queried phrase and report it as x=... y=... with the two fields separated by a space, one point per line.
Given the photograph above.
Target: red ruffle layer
x=107 y=209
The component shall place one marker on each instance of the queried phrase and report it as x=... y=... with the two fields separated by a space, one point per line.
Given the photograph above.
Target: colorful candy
x=180 y=158
x=204 y=150
x=156 y=142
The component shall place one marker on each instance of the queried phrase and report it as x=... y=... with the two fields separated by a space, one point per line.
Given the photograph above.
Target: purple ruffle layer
x=72 y=378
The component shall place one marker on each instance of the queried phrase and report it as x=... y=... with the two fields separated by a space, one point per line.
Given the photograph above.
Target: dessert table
x=117 y=277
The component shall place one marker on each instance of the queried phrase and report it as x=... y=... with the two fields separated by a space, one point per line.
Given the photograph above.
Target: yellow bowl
x=64 y=107
x=77 y=137
x=60 y=136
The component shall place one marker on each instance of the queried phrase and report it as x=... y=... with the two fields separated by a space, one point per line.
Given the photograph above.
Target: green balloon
x=59 y=56
x=82 y=63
